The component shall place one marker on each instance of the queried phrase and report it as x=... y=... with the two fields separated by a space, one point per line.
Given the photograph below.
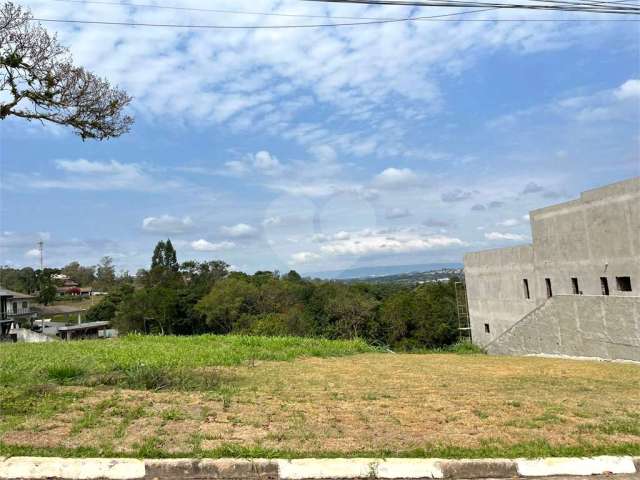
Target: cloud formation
x=83 y=174
x=240 y=230
x=369 y=242
x=457 y=195
x=167 y=224
x=504 y=236
x=203 y=245
x=397 y=212
x=393 y=178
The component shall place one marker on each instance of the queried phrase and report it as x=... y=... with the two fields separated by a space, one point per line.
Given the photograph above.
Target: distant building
x=574 y=290
x=14 y=307
x=86 y=331
x=73 y=288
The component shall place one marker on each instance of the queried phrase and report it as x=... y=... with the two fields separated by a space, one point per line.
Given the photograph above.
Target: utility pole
x=41 y=248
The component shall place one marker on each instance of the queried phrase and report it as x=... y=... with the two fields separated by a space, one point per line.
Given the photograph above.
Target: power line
x=295 y=15
x=291 y=27
x=559 y=5
x=323 y=25
x=213 y=10
x=258 y=27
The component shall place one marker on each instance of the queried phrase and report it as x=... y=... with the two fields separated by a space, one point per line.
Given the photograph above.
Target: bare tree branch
x=40 y=82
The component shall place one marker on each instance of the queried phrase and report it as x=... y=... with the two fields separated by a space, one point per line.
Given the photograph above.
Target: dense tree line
x=41 y=283
x=205 y=297
x=199 y=297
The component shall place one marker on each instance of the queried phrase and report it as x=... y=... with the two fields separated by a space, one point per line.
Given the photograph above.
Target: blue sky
x=321 y=149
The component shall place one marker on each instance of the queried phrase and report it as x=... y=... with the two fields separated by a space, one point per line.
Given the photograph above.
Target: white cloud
x=303 y=257
x=629 y=90
x=83 y=174
x=203 y=245
x=240 y=230
x=532 y=187
x=434 y=222
x=504 y=236
x=457 y=195
x=33 y=253
x=263 y=163
x=167 y=224
x=272 y=221
x=236 y=168
x=370 y=242
x=397 y=212
x=239 y=77
x=266 y=163
x=87 y=166
x=509 y=222
x=395 y=178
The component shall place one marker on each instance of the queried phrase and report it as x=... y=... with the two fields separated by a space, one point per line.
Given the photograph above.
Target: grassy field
x=252 y=396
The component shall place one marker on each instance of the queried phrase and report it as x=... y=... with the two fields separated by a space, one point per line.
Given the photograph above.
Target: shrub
x=465 y=346
x=65 y=373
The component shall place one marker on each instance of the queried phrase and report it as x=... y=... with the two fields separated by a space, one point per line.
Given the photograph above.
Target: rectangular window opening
x=525 y=284
x=604 y=285
x=623 y=284
x=547 y=282
x=486 y=328
x=574 y=286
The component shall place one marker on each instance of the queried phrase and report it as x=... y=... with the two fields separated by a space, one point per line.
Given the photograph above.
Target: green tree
x=164 y=265
x=48 y=292
x=105 y=274
x=422 y=318
x=38 y=81
x=350 y=312
x=104 y=311
x=85 y=276
x=22 y=280
x=170 y=257
x=157 y=259
x=229 y=300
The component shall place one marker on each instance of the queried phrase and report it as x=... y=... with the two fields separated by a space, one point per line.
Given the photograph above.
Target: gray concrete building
x=575 y=290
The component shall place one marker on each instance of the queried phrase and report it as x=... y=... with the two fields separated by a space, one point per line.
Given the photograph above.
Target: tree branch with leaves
x=38 y=81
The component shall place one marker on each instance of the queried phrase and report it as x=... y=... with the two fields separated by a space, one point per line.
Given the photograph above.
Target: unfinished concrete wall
x=575 y=244
x=582 y=326
x=495 y=290
x=595 y=236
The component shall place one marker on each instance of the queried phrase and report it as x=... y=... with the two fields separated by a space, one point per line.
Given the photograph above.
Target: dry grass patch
x=365 y=402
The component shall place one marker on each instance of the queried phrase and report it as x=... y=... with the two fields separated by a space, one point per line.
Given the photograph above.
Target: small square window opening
x=623 y=284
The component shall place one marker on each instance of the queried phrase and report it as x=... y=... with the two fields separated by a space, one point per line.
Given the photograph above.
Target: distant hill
x=369 y=273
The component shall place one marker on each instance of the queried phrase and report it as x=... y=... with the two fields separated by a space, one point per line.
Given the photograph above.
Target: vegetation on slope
x=142 y=361
x=225 y=403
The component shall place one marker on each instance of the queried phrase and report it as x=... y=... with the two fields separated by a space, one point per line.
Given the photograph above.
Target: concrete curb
x=217 y=469
x=31 y=468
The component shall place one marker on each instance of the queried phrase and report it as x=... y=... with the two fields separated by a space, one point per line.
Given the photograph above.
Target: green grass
x=155 y=362
x=490 y=449
x=223 y=384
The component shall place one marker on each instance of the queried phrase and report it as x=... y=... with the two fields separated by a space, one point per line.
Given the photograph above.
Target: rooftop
x=10 y=293
x=84 y=326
